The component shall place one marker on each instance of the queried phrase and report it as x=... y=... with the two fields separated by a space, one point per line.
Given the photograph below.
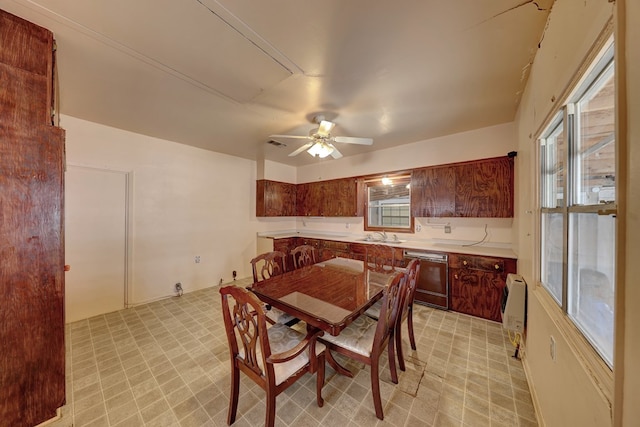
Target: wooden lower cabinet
x=476 y=284
x=333 y=249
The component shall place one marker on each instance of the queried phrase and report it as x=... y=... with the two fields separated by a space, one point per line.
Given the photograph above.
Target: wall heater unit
x=514 y=303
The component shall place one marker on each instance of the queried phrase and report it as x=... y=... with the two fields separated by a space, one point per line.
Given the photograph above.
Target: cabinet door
x=332 y=249
x=340 y=197
x=432 y=192
x=310 y=199
x=484 y=188
x=275 y=198
x=26 y=60
x=32 y=359
x=464 y=290
x=476 y=284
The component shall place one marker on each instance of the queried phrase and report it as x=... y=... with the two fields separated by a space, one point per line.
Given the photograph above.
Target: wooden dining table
x=328 y=295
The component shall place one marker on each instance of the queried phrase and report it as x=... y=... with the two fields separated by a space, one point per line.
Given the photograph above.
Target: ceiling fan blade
x=353 y=140
x=301 y=149
x=325 y=127
x=288 y=136
x=335 y=153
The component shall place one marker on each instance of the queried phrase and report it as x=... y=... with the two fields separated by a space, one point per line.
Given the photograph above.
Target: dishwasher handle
x=434 y=257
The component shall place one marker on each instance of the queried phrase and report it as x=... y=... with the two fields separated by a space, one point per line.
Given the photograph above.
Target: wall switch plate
x=447 y=228
x=197 y=259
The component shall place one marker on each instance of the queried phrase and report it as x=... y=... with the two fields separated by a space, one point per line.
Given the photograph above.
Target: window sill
x=588 y=357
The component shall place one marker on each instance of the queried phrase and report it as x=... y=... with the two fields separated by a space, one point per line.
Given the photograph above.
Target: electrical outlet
x=197 y=259
x=418 y=227
x=234 y=274
x=178 y=287
x=221 y=280
x=552 y=347
x=447 y=228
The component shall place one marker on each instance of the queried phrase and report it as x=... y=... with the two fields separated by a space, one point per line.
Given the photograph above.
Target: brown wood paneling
x=26 y=52
x=476 y=284
x=23 y=97
x=274 y=198
x=340 y=197
x=32 y=377
x=485 y=188
x=309 y=199
x=433 y=192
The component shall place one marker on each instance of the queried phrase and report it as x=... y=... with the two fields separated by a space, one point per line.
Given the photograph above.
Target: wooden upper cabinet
x=336 y=197
x=432 y=192
x=309 y=199
x=476 y=189
x=340 y=197
x=26 y=58
x=484 y=188
x=275 y=198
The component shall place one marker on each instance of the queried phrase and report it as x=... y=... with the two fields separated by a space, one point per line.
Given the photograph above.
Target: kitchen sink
x=371 y=240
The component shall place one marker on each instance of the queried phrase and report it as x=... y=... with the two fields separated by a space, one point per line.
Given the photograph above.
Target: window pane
x=553 y=173
x=389 y=204
x=551 y=257
x=595 y=145
x=592 y=278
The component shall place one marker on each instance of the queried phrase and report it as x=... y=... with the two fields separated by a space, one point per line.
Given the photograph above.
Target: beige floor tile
x=166 y=364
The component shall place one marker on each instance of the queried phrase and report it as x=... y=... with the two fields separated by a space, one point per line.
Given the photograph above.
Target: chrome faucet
x=383 y=235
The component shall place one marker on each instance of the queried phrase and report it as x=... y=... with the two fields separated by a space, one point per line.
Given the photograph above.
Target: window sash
x=577 y=223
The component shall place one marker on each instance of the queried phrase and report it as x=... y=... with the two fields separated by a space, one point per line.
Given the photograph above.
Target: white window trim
x=590 y=360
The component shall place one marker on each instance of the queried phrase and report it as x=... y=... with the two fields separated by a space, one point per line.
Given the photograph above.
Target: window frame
x=599 y=61
x=376 y=180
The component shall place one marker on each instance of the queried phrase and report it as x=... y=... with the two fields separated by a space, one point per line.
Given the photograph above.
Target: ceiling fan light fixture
x=320 y=149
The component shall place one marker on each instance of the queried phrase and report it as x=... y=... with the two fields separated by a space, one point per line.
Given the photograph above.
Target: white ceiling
x=224 y=75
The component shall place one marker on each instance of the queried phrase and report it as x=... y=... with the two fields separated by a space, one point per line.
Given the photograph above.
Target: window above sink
x=388 y=203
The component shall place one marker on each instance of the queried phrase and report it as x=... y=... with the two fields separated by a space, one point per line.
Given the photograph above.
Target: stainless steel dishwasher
x=432 y=287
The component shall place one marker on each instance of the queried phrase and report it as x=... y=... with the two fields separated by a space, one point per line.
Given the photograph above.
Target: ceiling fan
x=321 y=142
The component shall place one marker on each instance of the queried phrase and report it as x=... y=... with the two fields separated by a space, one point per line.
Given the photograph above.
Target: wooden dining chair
x=406 y=312
x=381 y=258
x=265 y=266
x=365 y=339
x=303 y=255
x=274 y=358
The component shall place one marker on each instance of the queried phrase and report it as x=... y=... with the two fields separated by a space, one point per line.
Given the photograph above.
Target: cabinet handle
x=464 y=262
x=497 y=267
x=455 y=276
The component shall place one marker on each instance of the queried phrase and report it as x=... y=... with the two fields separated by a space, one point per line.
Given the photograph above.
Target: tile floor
x=166 y=364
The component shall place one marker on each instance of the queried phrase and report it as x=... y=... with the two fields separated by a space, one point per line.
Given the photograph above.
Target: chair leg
x=375 y=388
x=399 y=346
x=392 y=359
x=233 y=398
x=270 y=416
x=320 y=380
x=412 y=338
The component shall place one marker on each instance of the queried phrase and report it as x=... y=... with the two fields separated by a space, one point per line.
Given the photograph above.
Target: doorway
x=96 y=248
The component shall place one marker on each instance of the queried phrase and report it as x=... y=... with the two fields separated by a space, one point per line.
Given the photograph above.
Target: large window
x=389 y=203
x=578 y=206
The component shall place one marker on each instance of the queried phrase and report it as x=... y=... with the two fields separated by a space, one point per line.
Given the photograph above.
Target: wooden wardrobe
x=32 y=352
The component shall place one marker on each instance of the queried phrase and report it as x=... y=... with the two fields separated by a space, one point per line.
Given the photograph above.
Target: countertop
x=447 y=246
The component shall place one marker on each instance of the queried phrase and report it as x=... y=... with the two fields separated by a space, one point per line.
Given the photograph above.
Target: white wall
x=185 y=202
x=564 y=390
